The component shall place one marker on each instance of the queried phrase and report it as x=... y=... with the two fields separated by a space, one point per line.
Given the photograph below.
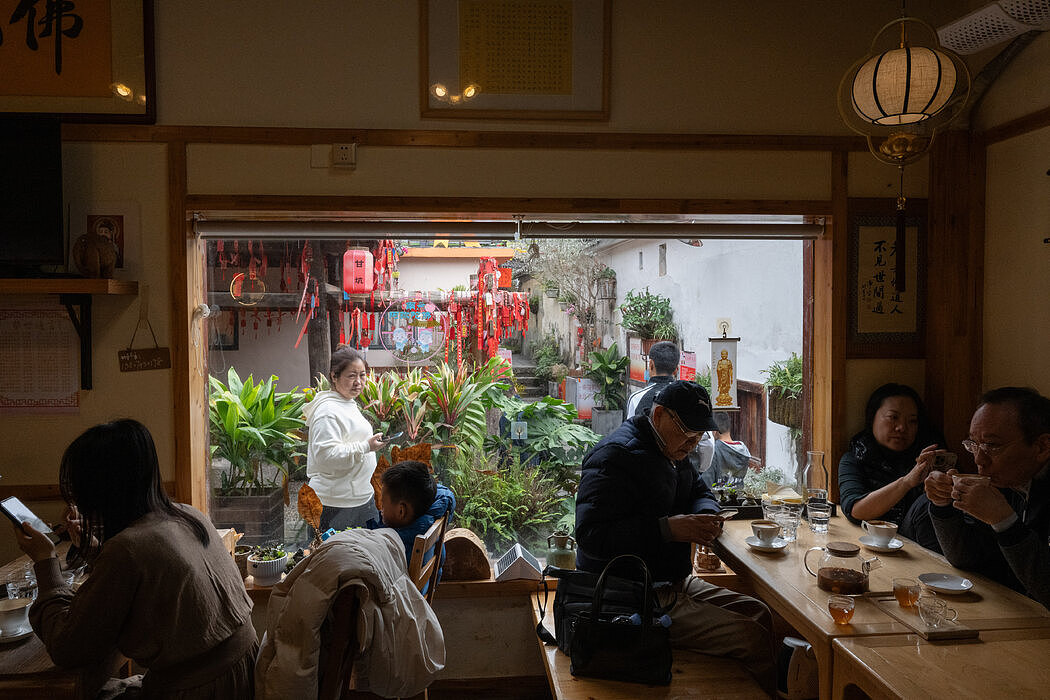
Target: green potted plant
x=606 y=369
x=255 y=440
x=784 y=391
x=649 y=316
x=266 y=564
x=550 y=288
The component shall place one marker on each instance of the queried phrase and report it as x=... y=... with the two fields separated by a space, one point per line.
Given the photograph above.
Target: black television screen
x=31 y=221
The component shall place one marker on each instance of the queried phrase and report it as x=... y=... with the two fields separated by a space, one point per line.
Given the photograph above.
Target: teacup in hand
x=971 y=480
x=765 y=530
x=880 y=531
x=14 y=615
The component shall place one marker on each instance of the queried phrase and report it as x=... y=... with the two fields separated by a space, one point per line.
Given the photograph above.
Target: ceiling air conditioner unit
x=517 y=563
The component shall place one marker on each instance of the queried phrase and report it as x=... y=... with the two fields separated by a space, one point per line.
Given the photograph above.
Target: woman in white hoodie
x=340 y=459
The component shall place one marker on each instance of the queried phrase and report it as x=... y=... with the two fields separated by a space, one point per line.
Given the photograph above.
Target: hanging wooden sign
x=144 y=359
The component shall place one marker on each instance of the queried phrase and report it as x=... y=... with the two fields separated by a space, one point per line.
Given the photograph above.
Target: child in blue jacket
x=411 y=501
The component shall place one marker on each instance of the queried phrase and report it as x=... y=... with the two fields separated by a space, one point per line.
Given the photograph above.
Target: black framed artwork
x=885 y=318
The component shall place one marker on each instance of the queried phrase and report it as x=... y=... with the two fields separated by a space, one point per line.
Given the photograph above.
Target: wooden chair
x=425 y=573
x=336 y=670
x=334 y=673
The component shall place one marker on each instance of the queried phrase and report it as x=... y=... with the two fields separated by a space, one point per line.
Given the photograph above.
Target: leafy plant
x=546 y=353
x=552 y=435
x=252 y=425
x=648 y=315
x=559 y=372
x=755 y=481
x=607 y=368
x=267 y=552
x=507 y=499
x=785 y=376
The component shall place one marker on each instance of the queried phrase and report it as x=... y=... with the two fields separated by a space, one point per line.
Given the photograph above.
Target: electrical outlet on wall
x=344 y=155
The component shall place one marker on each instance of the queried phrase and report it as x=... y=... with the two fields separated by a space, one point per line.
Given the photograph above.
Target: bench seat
x=693 y=675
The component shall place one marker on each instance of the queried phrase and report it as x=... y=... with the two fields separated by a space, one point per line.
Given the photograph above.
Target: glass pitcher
x=814 y=479
x=842 y=569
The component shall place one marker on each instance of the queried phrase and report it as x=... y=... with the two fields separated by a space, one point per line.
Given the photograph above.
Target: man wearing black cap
x=639 y=495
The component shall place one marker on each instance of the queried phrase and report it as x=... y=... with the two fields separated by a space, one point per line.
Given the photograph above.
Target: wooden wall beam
x=448 y=138
x=331 y=206
x=829 y=325
x=189 y=359
x=955 y=268
x=1039 y=119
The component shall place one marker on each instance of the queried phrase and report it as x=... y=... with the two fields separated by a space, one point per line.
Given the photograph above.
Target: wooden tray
x=949 y=630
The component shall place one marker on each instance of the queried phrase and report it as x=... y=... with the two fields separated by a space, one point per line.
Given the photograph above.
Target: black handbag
x=610 y=626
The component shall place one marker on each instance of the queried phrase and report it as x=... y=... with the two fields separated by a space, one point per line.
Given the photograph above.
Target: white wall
x=756 y=284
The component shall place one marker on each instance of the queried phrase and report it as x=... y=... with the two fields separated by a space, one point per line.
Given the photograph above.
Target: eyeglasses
x=686 y=432
x=990 y=449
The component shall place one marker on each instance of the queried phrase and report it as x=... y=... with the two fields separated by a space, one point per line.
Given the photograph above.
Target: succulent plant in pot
x=266 y=564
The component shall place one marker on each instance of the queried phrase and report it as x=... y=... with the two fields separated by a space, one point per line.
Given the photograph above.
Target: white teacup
x=881 y=532
x=14 y=615
x=765 y=530
x=971 y=480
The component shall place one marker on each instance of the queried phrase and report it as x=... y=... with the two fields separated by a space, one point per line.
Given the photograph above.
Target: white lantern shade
x=903 y=86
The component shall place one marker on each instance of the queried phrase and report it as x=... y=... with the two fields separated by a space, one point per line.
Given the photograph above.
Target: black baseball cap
x=691 y=402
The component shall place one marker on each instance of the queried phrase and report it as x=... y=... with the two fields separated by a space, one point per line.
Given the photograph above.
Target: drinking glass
x=841 y=609
x=788 y=519
x=935 y=611
x=906 y=591
x=819 y=516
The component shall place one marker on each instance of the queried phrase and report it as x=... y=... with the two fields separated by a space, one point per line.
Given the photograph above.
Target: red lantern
x=357 y=271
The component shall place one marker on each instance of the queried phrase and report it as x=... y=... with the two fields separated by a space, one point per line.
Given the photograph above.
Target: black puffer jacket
x=627 y=488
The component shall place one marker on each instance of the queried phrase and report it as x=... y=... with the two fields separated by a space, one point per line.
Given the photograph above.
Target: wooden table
x=781 y=580
x=26 y=670
x=1002 y=664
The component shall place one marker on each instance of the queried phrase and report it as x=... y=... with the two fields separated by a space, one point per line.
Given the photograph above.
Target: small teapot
x=842 y=569
x=562 y=550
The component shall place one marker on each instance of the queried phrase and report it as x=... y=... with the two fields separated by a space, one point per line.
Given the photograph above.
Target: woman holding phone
x=881 y=475
x=163 y=590
x=340 y=456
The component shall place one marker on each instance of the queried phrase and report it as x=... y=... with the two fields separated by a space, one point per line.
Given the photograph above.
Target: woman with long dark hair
x=881 y=475
x=163 y=590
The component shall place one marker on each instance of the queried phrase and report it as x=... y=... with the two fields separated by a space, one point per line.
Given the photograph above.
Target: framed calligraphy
x=82 y=60
x=515 y=59
x=882 y=319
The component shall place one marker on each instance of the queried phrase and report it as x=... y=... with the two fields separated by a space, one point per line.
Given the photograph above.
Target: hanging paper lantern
x=357 y=271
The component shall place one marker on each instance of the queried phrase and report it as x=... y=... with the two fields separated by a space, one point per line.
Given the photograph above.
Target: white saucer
x=755 y=543
x=22 y=633
x=869 y=542
x=946 y=583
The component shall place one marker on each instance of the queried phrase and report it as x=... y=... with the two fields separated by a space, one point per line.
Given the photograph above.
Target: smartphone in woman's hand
x=394 y=437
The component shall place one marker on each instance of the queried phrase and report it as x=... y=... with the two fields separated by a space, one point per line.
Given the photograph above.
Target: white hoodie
x=338 y=461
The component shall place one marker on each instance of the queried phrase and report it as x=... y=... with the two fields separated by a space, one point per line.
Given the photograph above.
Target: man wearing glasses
x=999 y=526
x=640 y=495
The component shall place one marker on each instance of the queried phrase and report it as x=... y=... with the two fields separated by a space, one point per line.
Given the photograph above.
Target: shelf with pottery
x=73 y=292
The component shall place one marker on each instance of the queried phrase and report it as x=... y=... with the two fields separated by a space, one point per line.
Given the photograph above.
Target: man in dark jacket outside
x=639 y=495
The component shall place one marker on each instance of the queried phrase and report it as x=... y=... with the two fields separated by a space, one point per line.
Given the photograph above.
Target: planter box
x=259 y=516
x=604 y=422
x=785 y=410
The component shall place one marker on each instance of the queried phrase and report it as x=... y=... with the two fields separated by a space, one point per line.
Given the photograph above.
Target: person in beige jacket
x=400 y=643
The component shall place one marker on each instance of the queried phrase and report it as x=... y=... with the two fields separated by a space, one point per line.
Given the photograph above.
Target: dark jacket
x=867 y=467
x=1019 y=556
x=627 y=488
x=444 y=502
